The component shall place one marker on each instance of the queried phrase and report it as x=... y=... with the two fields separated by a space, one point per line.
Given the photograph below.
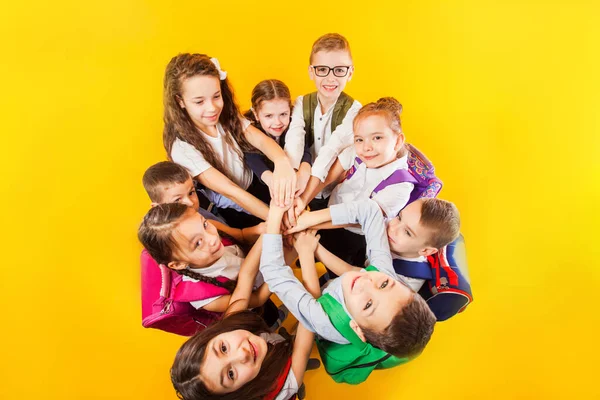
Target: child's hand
x=267 y=178
x=274 y=219
x=284 y=182
x=302 y=177
x=306 y=241
x=289 y=219
x=304 y=221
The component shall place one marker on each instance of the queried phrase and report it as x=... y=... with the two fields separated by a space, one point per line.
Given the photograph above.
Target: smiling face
x=331 y=86
x=407 y=236
x=232 y=359
x=183 y=193
x=375 y=142
x=373 y=298
x=201 y=98
x=274 y=116
x=197 y=242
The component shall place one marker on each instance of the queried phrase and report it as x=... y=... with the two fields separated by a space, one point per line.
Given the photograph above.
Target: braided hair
x=156 y=234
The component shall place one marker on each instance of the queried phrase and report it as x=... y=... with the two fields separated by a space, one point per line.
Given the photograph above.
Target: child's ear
x=357 y=330
x=399 y=141
x=427 y=251
x=350 y=73
x=180 y=101
x=177 y=265
x=311 y=73
x=255 y=114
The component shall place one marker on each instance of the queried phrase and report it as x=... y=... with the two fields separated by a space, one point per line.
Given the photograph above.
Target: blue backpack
x=447 y=288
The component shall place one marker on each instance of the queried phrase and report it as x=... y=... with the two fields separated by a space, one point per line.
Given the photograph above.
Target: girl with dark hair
x=179 y=237
x=205 y=133
x=238 y=358
x=271 y=112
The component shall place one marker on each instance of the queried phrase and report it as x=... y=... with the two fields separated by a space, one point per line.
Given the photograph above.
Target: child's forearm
x=259 y=296
x=235 y=233
x=310 y=277
x=219 y=305
x=242 y=295
x=333 y=262
x=313 y=187
x=330 y=225
x=274 y=220
x=303 y=345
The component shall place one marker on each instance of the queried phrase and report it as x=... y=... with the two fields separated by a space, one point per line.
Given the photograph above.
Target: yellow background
x=502 y=95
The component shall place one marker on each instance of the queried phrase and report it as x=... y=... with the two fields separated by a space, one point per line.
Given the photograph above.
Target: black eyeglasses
x=323 y=70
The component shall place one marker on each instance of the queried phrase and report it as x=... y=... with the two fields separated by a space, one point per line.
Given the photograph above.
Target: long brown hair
x=156 y=235
x=267 y=90
x=185 y=372
x=178 y=124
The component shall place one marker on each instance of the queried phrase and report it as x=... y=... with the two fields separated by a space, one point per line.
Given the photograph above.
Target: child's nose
x=187 y=201
x=243 y=355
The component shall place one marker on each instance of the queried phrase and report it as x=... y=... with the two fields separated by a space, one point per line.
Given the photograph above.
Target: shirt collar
x=387 y=170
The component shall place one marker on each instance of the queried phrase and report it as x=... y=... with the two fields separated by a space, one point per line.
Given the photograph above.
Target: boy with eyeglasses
x=323 y=118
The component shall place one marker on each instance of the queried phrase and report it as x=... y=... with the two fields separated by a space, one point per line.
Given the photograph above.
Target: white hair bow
x=222 y=74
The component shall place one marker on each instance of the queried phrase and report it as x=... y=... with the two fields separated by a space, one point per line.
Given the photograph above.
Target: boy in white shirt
x=324 y=117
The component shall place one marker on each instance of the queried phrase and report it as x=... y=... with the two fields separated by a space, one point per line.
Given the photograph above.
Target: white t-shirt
x=290 y=386
x=191 y=159
x=228 y=266
x=391 y=199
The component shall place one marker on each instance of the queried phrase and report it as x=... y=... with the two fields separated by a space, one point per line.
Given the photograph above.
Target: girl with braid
x=179 y=237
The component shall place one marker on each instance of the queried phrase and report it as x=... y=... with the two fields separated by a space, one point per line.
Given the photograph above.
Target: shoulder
x=183 y=149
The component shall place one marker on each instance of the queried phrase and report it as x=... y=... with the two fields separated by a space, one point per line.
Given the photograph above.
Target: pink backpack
x=166 y=299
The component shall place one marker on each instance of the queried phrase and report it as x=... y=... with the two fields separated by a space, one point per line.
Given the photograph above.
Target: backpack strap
x=398 y=176
x=340 y=319
x=342 y=105
x=187 y=291
x=413 y=269
x=309 y=105
x=352 y=170
x=434 y=261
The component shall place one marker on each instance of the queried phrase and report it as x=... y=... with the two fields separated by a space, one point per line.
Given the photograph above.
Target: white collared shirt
x=360 y=186
x=327 y=145
x=414 y=283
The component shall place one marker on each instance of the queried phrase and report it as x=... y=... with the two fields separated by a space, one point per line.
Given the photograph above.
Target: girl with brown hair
x=238 y=358
x=179 y=237
x=271 y=112
x=205 y=133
